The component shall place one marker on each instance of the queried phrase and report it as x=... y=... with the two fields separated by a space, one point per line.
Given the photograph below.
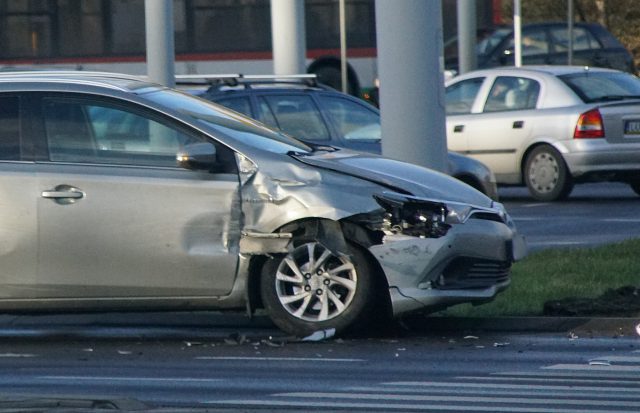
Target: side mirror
x=198 y=156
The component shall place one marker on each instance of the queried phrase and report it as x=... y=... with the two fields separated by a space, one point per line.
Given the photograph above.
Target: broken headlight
x=413 y=216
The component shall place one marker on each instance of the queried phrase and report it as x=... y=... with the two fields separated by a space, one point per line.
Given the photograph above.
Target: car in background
x=548 y=127
x=548 y=43
x=317 y=114
x=123 y=194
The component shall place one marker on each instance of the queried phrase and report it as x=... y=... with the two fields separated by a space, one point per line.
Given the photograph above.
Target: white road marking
x=17 y=355
x=137 y=379
x=458 y=399
x=377 y=406
x=594 y=368
x=314 y=359
x=510 y=386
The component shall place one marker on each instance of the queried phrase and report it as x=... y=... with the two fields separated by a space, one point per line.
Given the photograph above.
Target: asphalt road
x=594 y=214
x=227 y=363
x=145 y=367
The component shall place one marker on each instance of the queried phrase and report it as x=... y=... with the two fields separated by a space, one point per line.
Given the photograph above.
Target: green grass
x=562 y=273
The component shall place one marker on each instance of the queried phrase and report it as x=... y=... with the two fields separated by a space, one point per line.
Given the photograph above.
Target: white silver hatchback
x=548 y=126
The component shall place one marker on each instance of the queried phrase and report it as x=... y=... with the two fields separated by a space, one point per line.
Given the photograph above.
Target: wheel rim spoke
x=303 y=308
x=325 y=254
x=294 y=267
x=345 y=282
x=280 y=276
x=311 y=251
x=324 y=311
x=303 y=295
x=336 y=301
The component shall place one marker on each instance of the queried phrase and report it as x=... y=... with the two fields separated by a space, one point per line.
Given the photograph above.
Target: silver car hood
x=417 y=180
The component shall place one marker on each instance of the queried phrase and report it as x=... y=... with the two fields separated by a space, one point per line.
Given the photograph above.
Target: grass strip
x=561 y=273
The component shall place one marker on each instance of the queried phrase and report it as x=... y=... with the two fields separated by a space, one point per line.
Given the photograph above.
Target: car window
x=582 y=39
x=9 y=129
x=512 y=93
x=596 y=86
x=461 y=95
x=534 y=42
x=239 y=104
x=265 y=114
x=352 y=120
x=226 y=122
x=84 y=131
x=298 y=116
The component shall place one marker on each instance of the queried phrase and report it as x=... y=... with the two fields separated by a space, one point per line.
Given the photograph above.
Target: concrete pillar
x=410 y=68
x=160 y=43
x=467 y=35
x=288 y=37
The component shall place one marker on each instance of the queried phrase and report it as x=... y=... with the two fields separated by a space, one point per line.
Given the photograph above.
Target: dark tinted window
x=239 y=104
x=460 y=96
x=582 y=39
x=9 y=129
x=512 y=93
x=94 y=133
x=298 y=116
x=352 y=120
x=595 y=86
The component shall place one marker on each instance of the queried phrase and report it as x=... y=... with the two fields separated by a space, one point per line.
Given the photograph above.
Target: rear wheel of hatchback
x=312 y=289
x=546 y=174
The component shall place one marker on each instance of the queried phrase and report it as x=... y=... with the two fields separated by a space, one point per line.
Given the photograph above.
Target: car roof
x=553 y=70
x=118 y=81
x=237 y=83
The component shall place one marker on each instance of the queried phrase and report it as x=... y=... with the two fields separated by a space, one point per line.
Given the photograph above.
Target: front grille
x=473 y=273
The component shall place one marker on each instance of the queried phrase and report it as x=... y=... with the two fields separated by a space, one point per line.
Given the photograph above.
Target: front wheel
x=546 y=174
x=311 y=289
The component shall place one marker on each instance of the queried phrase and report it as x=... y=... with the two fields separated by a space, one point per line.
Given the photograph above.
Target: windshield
x=227 y=122
x=490 y=42
x=600 y=86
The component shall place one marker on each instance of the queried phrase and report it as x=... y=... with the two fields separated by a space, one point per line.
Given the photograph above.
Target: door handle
x=63 y=194
x=458 y=128
x=519 y=124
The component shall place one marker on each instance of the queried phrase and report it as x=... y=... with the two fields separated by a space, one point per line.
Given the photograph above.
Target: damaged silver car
x=122 y=194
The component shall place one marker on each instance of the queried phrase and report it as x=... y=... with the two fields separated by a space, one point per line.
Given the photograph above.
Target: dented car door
x=118 y=218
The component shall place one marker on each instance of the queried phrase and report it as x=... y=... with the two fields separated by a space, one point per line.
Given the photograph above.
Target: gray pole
x=160 y=44
x=570 y=31
x=517 y=33
x=343 y=47
x=467 y=33
x=288 y=37
x=410 y=68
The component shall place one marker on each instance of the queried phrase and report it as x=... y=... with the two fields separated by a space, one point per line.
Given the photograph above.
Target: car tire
x=546 y=174
x=313 y=289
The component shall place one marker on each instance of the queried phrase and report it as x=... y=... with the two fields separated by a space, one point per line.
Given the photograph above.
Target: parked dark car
x=321 y=115
x=548 y=43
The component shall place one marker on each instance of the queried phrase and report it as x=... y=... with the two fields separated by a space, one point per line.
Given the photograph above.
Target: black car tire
x=303 y=295
x=546 y=174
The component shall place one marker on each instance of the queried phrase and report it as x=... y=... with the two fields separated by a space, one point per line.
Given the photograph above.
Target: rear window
x=603 y=86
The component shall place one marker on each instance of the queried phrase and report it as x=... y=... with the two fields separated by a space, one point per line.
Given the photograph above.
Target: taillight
x=589 y=125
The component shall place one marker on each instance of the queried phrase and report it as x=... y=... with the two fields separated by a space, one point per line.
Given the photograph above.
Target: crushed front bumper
x=470 y=264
